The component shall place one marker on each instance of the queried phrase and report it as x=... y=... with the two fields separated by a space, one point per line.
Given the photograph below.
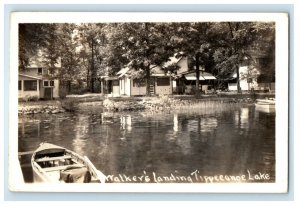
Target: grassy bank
x=92 y=103
x=165 y=103
x=36 y=107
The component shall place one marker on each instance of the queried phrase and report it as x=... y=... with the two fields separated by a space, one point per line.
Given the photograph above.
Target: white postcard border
x=282 y=66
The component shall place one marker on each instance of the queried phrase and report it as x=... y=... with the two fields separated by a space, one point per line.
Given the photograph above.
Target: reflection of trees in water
x=231 y=143
x=30 y=133
x=220 y=143
x=81 y=133
x=267 y=129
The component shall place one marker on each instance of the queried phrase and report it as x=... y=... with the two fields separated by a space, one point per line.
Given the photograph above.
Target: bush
x=28 y=98
x=109 y=104
x=63 y=92
x=70 y=104
x=78 y=91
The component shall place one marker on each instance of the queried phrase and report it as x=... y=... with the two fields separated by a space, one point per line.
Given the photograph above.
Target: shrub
x=63 y=92
x=70 y=104
x=28 y=98
x=109 y=104
x=78 y=91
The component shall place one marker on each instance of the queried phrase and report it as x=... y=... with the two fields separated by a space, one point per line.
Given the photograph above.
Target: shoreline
x=96 y=103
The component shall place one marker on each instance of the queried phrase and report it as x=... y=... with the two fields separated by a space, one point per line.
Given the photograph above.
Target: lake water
x=237 y=142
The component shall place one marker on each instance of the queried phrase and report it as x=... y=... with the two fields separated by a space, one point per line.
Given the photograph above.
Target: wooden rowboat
x=265 y=105
x=266 y=101
x=52 y=163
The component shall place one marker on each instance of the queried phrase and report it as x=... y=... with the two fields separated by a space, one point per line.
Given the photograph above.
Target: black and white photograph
x=158 y=102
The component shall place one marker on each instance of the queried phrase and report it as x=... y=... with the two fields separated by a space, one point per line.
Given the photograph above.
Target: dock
x=24 y=166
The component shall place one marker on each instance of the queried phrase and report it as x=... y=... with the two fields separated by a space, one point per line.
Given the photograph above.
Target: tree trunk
x=171 y=86
x=148 y=80
x=197 y=71
x=88 y=79
x=92 y=69
x=69 y=86
x=238 y=79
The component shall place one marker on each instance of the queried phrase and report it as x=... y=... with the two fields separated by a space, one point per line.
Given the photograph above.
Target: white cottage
x=160 y=83
x=36 y=86
x=36 y=82
x=186 y=80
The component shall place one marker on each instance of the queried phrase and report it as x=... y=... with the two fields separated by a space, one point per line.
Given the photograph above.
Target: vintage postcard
x=148 y=102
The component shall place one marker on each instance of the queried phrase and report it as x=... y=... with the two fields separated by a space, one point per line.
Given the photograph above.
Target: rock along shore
x=151 y=104
x=40 y=108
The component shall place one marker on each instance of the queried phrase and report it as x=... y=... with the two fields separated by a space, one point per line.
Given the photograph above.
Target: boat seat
x=75 y=174
x=47 y=159
x=58 y=168
x=64 y=167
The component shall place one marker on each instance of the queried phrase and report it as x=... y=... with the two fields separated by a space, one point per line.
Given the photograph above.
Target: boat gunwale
x=76 y=158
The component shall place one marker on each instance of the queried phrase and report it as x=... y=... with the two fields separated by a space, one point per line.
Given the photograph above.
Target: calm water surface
x=235 y=142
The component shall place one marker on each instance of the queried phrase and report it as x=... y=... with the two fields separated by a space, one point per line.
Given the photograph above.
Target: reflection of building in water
x=184 y=142
x=182 y=139
x=126 y=122
x=24 y=124
x=57 y=127
x=175 y=120
x=202 y=129
x=81 y=132
x=192 y=125
x=202 y=124
x=208 y=124
x=242 y=118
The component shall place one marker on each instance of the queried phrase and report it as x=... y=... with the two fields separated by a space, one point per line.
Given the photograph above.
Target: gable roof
x=123 y=71
x=202 y=76
x=154 y=70
x=30 y=76
x=172 y=60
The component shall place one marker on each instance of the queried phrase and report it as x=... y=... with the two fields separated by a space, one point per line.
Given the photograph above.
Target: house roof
x=154 y=69
x=203 y=76
x=110 y=78
x=30 y=76
x=157 y=71
x=123 y=71
x=172 y=60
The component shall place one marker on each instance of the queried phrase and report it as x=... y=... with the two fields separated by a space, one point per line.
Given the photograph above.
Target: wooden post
x=102 y=90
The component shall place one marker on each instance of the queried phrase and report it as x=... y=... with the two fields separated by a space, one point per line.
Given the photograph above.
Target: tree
x=144 y=45
x=192 y=40
x=32 y=38
x=94 y=50
x=235 y=43
x=67 y=50
x=265 y=43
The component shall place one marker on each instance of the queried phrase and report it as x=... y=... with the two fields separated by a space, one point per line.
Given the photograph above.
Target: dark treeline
x=87 y=51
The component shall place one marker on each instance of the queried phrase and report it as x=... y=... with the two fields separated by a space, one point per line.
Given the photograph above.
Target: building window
x=163 y=81
x=139 y=83
x=30 y=85
x=48 y=83
x=40 y=71
x=115 y=83
x=20 y=85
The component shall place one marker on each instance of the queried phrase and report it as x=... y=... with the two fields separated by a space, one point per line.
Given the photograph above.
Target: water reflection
x=208 y=124
x=81 y=134
x=228 y=142
x=175 y=121
x=125 y=121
